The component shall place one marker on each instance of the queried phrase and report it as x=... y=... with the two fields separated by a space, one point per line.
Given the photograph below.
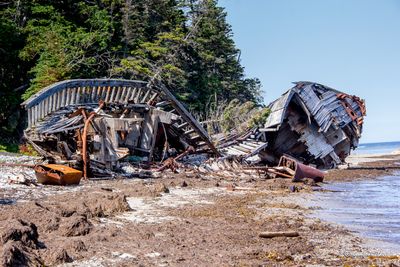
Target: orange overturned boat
x=54 y=174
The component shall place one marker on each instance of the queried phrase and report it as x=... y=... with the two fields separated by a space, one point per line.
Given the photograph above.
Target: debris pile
x=311 y=123
x=105 y=126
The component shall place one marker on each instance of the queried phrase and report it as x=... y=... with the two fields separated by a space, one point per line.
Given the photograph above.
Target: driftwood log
x=278 y=234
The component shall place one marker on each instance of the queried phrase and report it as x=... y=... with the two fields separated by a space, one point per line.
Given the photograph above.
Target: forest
x=188 y=44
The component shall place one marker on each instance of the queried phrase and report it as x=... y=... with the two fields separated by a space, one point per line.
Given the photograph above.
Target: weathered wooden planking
x=86 y=83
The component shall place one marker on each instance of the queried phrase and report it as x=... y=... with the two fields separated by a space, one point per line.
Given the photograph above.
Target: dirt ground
x=185 y=219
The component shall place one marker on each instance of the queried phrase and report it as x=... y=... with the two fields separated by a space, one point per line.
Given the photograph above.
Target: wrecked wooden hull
x=314 y=124
x=95 y=124
x=106 y=120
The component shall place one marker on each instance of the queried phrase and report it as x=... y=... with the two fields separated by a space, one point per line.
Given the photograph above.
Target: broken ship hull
x=315 y=124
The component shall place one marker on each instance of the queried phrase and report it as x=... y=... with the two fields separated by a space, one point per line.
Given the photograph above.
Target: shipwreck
x=95 y=124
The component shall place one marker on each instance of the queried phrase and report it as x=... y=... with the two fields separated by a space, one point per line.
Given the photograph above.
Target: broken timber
x=311 y=123
x=94 y=124
x=136 y=120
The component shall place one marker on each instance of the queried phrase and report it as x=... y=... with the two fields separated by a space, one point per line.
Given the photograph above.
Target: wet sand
x=184 y=219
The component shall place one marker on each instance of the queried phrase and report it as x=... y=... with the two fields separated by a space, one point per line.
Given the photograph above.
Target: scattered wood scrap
x=278 y=234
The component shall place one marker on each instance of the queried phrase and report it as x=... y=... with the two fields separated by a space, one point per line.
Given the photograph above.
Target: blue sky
x=350 y=45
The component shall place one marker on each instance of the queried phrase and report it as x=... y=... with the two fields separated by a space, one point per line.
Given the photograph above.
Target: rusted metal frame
x=349 y=110
x=268 y=170
x=84 y=137
x=359 y=101
x=18 y=165
x=301 y=170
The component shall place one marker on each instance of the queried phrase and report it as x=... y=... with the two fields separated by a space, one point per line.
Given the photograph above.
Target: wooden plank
x=145 y=96
x=107 y=99
x=133 y=94
x=46 y=106
x=128 y=94
x=59 y=95
x=137 y=97
x=63 y=98
x=84 y=95
x=59 y=86
x=97 y=93
x=183 y=125
x=74 y=91
x=42 y=112
x=113 y=93
x=190 y=131
x=152 y=98
x=50 y=104
x=68 y=97
x=123 y=94
x=29 y=117
x=34 y=114
x=103 y=93
x=54 y=104
x=118 y=95
x=78 y=95
x=94 y=94
x=187 y=116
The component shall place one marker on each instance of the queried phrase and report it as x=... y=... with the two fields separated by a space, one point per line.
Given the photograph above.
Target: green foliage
x=63 y=49
x=6 y=147
x=259 y=118
x=241 y=116
x=186 y=43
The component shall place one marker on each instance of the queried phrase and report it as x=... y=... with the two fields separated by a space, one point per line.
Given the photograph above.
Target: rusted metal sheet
x=54 y=174
x=301 y=171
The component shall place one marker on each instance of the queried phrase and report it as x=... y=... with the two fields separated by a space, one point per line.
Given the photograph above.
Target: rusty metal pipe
x=18 y=165
x=84 y=139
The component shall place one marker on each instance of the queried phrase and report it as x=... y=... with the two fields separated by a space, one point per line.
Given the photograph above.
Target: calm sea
x=377 y=148
x=369 y=207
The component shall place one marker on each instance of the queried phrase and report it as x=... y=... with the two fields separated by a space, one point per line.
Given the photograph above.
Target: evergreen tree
x=215 y=73
x=187 y=43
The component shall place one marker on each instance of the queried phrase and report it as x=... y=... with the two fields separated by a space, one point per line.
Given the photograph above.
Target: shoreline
x=189 y=219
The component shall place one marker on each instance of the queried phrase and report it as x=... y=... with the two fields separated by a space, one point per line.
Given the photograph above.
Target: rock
x=184 y=184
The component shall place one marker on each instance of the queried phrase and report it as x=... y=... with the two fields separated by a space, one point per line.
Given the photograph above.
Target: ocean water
x=377 y=148
x=369 y=207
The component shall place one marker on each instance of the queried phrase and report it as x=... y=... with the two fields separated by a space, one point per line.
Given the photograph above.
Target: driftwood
x=278 y=234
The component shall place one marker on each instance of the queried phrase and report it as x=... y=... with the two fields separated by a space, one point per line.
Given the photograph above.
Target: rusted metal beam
x=84 y=138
